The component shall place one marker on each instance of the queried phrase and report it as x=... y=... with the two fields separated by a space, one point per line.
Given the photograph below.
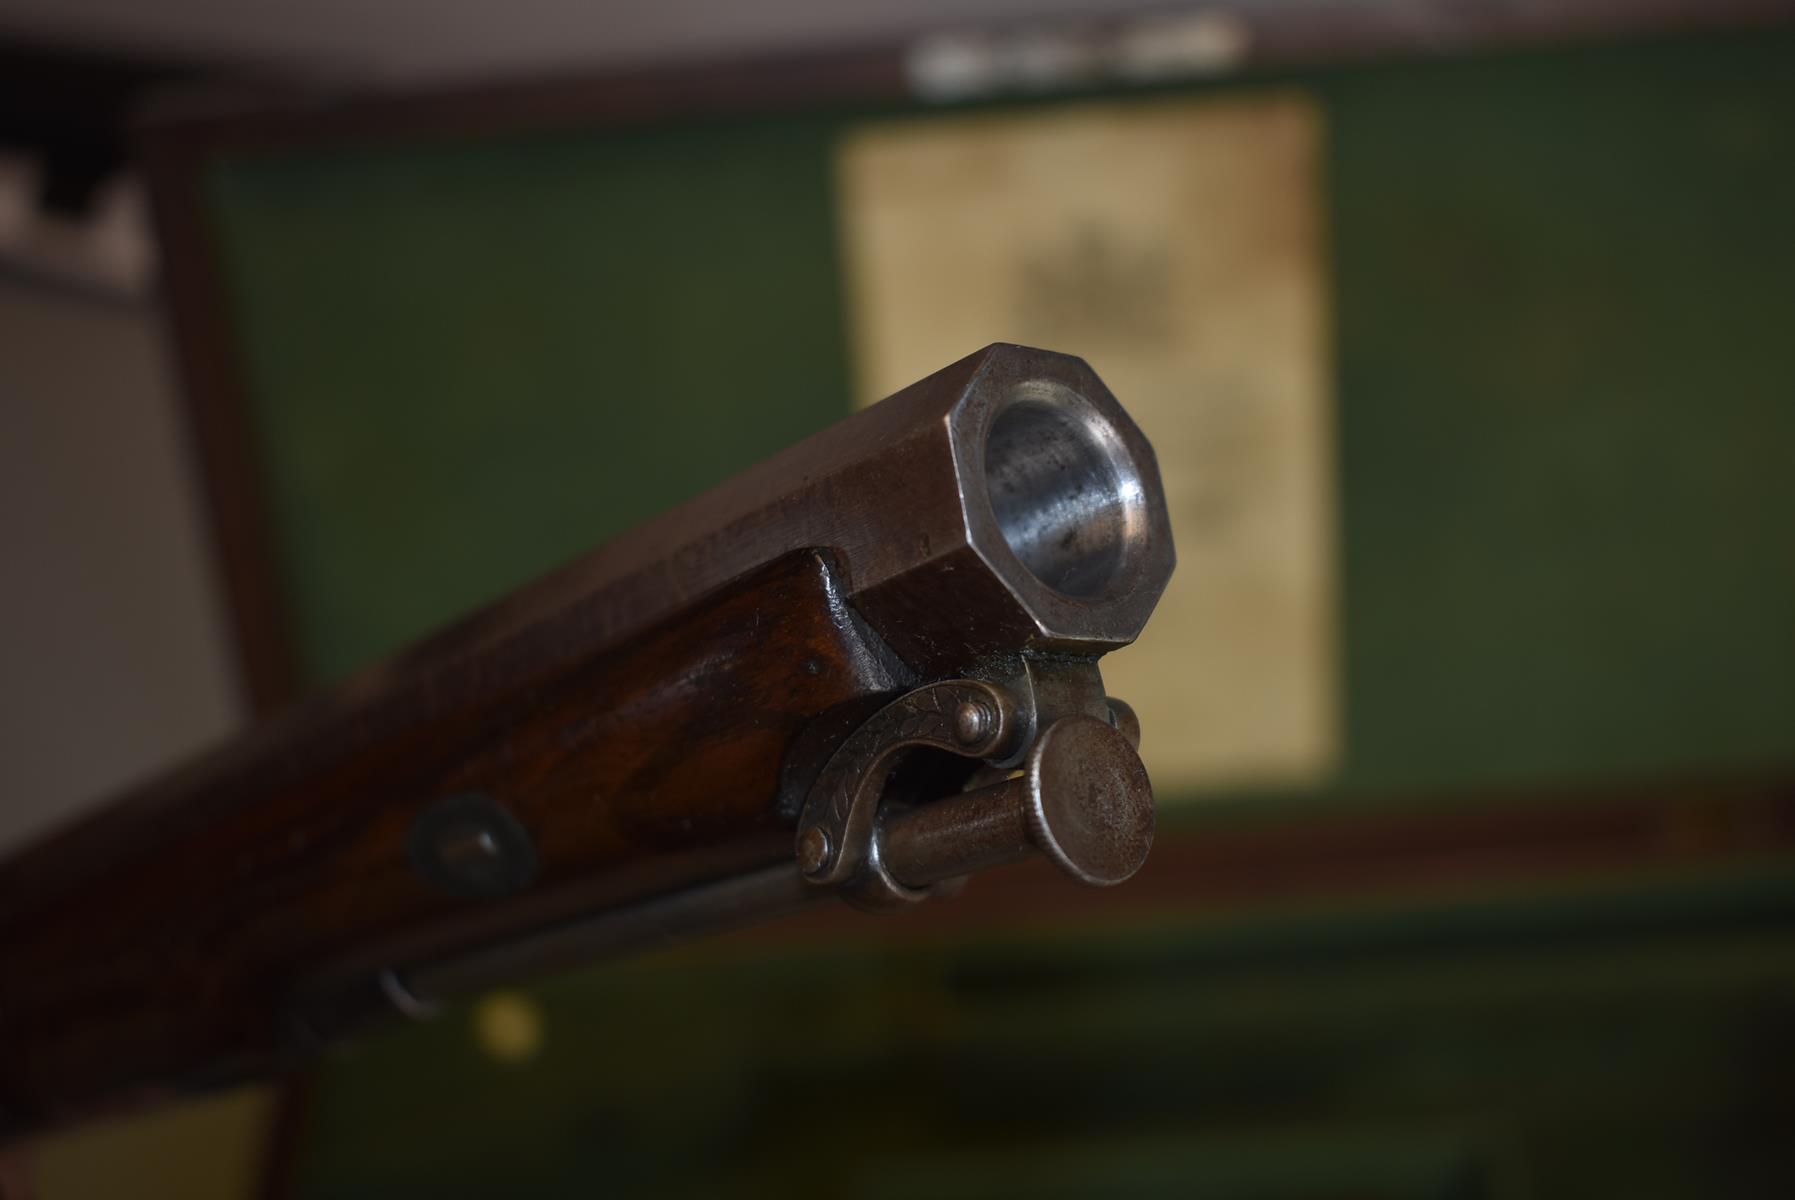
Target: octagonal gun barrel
x=696 y=724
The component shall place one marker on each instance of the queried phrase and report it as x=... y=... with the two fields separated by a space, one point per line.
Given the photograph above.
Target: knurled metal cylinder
x=957 y=835
x=1082 y=798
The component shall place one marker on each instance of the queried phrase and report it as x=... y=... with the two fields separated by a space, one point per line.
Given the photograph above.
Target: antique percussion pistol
x=865 y=668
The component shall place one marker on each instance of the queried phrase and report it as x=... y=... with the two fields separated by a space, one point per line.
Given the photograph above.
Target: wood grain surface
x=161 y=944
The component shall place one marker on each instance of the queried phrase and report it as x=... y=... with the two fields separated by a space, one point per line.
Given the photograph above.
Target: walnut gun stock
x=864 y=668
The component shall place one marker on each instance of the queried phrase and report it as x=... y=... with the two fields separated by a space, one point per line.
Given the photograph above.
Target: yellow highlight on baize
x=507 y=1027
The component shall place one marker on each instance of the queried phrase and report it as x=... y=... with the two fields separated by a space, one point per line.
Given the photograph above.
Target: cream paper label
x=1178 y=247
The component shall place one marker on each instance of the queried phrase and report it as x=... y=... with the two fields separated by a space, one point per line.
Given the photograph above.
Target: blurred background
x=1463 y=331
